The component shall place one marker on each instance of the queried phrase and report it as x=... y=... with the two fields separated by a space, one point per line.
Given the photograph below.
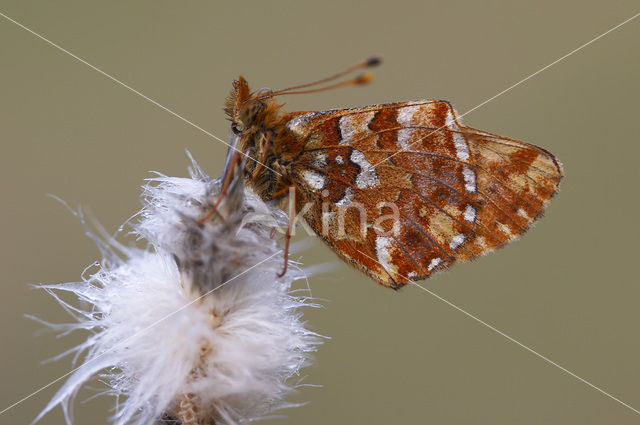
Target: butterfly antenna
x=362 y=79
x=365 y=78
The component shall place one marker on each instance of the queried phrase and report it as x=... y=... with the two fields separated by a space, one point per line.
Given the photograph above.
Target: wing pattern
x=404 y=190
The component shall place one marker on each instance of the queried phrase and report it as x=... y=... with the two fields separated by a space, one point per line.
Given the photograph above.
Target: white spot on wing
x=522 y=213
x=339 y=160
x=367 y=176
x=504 y=228
x=434 y=263
x=383 y=254
x=405 y=114
x=404 y=136
x=314 y=179
x=298 y=125
x=461 y=146
x=405 y=119
x=462 y=150
x=470 y=214
x=347 y=199
x=353 y=124
x=469 y=180
x=451 y=123
x=457 y=241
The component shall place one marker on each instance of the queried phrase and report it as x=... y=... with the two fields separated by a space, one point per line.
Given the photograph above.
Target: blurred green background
x=568 y=289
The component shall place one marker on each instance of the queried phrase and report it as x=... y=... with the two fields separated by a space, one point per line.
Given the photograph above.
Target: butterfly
x=399 y=190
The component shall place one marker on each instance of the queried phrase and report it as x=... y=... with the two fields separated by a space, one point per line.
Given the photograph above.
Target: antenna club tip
x=365 y=78
x=374 y=60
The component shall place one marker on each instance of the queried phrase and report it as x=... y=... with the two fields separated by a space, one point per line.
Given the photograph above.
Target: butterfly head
x=246 y=110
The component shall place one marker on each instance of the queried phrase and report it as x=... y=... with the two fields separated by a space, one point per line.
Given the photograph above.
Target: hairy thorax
x=266 y=171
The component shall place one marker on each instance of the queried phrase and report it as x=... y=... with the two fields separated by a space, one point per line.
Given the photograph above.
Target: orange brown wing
x=458 y=192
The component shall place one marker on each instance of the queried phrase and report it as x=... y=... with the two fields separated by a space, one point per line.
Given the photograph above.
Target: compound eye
x=237 y=128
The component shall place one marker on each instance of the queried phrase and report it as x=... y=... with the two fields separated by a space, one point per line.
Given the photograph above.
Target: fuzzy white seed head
x=197 y=328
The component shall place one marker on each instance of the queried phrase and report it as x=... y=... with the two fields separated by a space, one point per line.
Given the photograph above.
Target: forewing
x=457 y=192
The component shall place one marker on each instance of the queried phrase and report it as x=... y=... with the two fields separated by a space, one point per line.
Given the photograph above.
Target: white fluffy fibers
x=197 y=328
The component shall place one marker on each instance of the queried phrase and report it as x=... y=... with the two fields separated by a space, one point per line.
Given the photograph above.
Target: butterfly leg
x=280 y=192
x=263 y=145
x=225 y=186
x=287 y=237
